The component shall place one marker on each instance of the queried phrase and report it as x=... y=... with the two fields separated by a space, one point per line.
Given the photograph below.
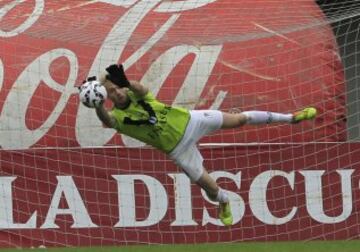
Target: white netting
x=66 y=180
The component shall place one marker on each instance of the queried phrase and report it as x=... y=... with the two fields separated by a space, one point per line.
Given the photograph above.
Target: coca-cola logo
x=161 y=43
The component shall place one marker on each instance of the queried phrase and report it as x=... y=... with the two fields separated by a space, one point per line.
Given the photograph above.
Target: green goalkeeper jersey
x=152 y=122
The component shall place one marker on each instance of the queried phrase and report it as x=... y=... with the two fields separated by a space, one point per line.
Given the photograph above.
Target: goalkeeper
x=175 y=131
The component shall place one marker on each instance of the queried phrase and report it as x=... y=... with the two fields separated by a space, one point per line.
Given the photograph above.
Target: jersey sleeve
x=116 y=116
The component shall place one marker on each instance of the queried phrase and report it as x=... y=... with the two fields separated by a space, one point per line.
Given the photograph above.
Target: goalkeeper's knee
x=220 y=196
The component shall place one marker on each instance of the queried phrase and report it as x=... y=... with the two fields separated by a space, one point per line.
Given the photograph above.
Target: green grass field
x=337 y=246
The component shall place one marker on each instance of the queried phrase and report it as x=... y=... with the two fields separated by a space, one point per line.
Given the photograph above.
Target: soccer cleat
x=225 y=214
x=305 y=114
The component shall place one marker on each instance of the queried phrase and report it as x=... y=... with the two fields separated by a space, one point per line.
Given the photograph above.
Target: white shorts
x=186 y=154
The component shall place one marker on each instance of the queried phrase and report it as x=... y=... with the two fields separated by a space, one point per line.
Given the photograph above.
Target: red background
x=307 y=70
x=298 y=56
x=91 y=170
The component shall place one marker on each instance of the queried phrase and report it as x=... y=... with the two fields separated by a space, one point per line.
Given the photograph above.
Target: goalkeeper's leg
x=215 y=193
x=266 y=117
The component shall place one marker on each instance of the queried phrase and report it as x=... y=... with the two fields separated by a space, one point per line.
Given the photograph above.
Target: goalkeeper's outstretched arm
x=138 y=88
x=116 y=75
x=105 y=116
x=135 y=86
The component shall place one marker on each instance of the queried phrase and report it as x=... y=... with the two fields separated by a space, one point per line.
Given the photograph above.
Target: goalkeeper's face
x=116 y=94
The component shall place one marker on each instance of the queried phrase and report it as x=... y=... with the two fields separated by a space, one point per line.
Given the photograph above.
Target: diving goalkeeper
x=175 y=131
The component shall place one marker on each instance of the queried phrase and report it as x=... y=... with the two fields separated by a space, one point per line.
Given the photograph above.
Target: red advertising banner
x=91 y=197
x=196 y=54
x=56 y=189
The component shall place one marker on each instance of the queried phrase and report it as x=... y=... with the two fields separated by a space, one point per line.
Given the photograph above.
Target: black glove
x=117 y=75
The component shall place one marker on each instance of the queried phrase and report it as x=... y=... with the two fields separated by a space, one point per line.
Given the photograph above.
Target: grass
x=316 y=246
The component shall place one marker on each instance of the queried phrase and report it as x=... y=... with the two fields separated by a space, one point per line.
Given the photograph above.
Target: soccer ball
x=92 y=93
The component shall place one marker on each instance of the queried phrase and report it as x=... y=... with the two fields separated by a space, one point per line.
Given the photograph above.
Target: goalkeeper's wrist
x=99 y=106
x=126 y=83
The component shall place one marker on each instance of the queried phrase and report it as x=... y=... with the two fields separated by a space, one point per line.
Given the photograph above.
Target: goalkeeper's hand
x=117 y=75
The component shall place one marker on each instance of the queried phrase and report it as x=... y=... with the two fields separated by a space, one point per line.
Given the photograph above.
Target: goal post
x=65 y=180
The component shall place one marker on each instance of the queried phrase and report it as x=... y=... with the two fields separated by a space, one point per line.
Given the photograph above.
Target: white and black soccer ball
x=92 y=93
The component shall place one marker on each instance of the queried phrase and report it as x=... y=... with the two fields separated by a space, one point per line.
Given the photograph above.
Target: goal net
x=65 y=180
